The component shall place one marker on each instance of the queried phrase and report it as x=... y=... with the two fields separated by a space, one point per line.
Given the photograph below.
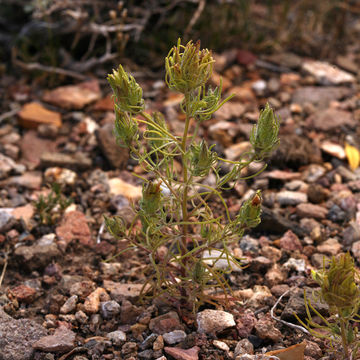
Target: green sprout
x=340 y=291
x=50 y=208
x=175 y=210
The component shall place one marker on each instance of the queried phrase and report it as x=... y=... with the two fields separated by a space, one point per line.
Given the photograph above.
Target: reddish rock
x=24 y=293
x=181 y=354
x=34 y=114
x=245 y=323
x=165 y=323
x=290 y=242
x=104 y=104
x=74 y=226
x=245 y=57
x=32 y=147
x=62 y=341
x=31 y=180
x=74 y=96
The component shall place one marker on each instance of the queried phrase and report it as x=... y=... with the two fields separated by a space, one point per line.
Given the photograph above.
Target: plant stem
x=344 y=339
x=185 y=192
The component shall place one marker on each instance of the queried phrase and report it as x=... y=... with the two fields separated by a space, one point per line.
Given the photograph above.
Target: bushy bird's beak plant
x=339 y=289
x=175 y=209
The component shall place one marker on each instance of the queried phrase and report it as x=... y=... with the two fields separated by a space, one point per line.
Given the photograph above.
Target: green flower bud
x=116 y=226
x=264 y=135
x=202 y=159
x=127 y=92
x=151 y=197
x=126 y=129
x=338 y=286
x=188 y=67
x=208 y=104
x=250 y=212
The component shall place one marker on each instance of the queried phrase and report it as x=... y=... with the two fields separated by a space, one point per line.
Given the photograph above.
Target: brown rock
x=61 y=342
x=78 y=161
x=120 y=291
x=104 y=104
x=74 y=96
x=31 y=180
x=311 y=211
x=25 y=212
x=265 y=329
x=34 y=114
x=116 y=155
x=329 y=247
x=275 y=275
x=245 y=323
x=290 y=242
x=330 y=119
x=74 y=226
x=181 y=354
x=24 y=293
x=230 y=110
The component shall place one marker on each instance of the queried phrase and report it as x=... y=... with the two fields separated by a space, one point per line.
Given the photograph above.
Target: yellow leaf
x=353 y=156
x=295 y=352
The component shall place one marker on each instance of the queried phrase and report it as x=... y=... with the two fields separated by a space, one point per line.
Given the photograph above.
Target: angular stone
x=117 y=337
x=73 y=227
x=265 y=329
x=174 y=337
x=61 y=341
x=230 y=110
x=311 y=211
x=92 y=302
x=74 y=96
x=330 y=119
x=120 y=187
x=18 y=336
x=165 y=323
x=181 y=354
x=291 y=198
x=120 y=291
x=32 y=147
x=69 y=305
x=34 y=114
x=213 y=321
x=77 y=161
x=24 y=293
x=320 y=96
x=116 y=155
x=290 y=242
x=333 y=149
x=330 y=247
x=37 y=256
x=327 y=74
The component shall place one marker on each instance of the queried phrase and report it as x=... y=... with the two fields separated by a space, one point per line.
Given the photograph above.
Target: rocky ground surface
x=60 y=300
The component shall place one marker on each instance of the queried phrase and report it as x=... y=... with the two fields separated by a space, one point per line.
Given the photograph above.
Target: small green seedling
x=339 y=289
x=51 y=207
x=178 y=225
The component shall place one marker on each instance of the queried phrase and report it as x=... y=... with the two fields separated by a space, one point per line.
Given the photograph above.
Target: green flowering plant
x=178 y=225
x=339 y=289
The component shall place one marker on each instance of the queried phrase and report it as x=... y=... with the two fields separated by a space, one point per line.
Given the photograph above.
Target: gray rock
x=6 y=219
x=17 y=337
x=296 y=305
x=174 y=337
x=109 y=309
x=69 y=305
x=291 y=198
x=213 y=321
x=77 y=161
x=320 y=96
x=61 y=341
x=117 y=337
x=146 y=354
x=148 y=342
x=243 y=347
x=37 y=256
